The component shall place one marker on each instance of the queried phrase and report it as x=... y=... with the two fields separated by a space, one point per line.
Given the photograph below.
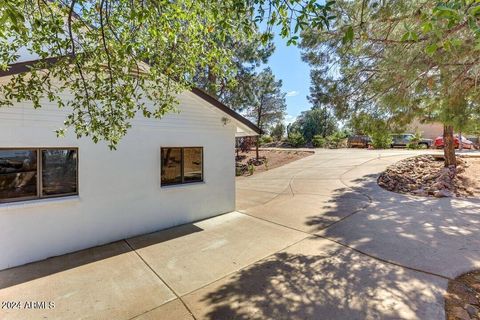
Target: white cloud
x=289 y=119
x=292 y=93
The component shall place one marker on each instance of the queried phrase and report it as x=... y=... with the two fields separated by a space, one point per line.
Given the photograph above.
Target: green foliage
x=232 y=89
x=414 y=142
x=265 y=139
x=296 y=139
x=381 y=139
x=316 y=121
x=333 y=141
x=375 y=126
x=277 y=132
x=265 y=100
x=239 y=170
x=405 y=59
x=337 y=139
x=251 y=169
x=318 y=141
x=102 y=47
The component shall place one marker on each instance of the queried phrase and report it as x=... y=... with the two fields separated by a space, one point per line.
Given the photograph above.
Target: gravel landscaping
x=269 y=159
x=463 y=298
x=426 y=176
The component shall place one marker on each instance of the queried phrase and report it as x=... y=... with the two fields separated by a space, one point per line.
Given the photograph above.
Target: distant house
x=429 y=130
x=432 y=130
x=59 y=195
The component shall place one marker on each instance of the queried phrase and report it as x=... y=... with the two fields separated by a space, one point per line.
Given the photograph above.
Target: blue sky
x=287 y=65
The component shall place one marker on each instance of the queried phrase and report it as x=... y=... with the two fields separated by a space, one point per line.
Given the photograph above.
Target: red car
x=466 y=144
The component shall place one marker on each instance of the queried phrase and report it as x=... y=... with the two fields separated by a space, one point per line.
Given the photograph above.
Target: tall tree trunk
x=449 y=146
x=257 y=144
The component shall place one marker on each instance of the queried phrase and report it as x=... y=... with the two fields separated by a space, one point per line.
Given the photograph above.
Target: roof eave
x=25 y=66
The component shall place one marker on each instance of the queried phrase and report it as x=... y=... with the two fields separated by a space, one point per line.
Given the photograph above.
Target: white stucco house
x=59 y=195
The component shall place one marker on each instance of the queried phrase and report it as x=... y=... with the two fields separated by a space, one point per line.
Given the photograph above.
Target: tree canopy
x=316 y=121
x=248 y=54
x=400 y=59
x=265 y=100
x=113 y=55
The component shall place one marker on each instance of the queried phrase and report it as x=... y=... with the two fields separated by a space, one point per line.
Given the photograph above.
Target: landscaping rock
x=472 y=310
x=426 y=176
x=442 y=193
x=462 y=300
x=256 y=162
x=460 y=313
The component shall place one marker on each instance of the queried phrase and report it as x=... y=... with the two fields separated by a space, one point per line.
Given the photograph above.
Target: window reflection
x=192 y=164
x=18 y=174
x=171 y=165
x=59 y=171
x=181 y=165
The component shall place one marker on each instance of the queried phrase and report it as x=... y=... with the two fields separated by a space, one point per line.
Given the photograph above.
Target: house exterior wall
x=119 y=191
x=428 y=130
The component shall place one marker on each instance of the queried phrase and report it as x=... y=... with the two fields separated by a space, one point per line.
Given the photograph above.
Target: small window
x=18 y=174
x=192 y=165
x=23 y=176
x=59 y=172
x=171 y=165
x=181 y=165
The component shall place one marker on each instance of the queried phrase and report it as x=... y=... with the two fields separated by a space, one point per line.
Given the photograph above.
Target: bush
x=381 y=139
x=336 y=140
x=413 y=144
x=278 y=131
x=244 y=144
x=240 y=169
x=318 y=141
x=265 y=139
x=296 y=139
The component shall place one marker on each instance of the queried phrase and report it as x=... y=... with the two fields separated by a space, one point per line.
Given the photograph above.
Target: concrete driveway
x=315 y=239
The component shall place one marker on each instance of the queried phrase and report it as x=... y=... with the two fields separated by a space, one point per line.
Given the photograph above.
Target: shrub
x=244 y=144
x=381 y=139
x=296 y=139
x=337 y=139
x=251 y=169
x=265 y=139
x=413 y=144
x=278 y=131
x=318 y=141
x=240 y=169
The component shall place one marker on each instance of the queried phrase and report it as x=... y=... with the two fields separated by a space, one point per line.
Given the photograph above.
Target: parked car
x=466 y=144
x=402 y=140
x=358 y=141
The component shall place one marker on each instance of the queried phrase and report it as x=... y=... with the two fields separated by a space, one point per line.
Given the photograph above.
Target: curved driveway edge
x=334 y=195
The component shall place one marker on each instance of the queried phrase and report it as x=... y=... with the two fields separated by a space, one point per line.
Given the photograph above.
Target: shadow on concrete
x=31 y=271
x=333 y=284
x=434 y=235
x=337 y=209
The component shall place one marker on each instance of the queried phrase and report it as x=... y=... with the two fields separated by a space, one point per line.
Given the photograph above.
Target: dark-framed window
x=34 y=173
x=181 y=165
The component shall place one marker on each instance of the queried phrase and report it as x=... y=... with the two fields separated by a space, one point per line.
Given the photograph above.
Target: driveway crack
x=163 y=281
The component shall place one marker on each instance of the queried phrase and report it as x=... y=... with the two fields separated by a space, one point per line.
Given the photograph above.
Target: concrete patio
x=315 y=239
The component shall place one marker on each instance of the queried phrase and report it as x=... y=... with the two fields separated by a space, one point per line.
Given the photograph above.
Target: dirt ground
x=426 y=176
x=472 y=171
x=463 y=297
x=274 y=159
